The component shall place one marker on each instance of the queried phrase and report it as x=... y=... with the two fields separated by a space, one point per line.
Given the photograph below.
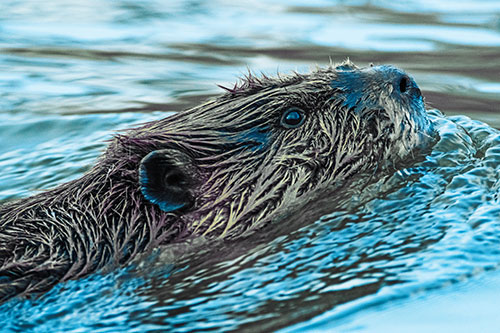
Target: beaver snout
x=367 y=88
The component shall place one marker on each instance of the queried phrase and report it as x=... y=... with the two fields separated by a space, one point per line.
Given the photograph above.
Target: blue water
x=416 y=251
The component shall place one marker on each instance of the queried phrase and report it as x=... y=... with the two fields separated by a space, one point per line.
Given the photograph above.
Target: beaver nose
x=405 y=85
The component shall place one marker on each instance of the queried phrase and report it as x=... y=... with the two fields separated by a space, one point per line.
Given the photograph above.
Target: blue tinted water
x=416 y=250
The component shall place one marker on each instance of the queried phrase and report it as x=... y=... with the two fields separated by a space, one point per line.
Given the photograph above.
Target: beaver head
x=217 y=170
x=235 y=161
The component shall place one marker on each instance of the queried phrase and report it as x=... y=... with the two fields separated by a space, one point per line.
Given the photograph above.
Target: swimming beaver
x=217 y=170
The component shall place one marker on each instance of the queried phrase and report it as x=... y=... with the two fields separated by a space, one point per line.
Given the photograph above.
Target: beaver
x=218 y=170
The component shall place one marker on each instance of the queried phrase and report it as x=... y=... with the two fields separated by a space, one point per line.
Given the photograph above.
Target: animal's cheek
x=167 y=178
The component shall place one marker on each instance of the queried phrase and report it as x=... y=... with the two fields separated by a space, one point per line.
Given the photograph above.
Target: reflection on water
x=71 y=74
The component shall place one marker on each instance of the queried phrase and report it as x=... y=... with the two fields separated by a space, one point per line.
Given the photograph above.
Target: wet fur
x=249 y=171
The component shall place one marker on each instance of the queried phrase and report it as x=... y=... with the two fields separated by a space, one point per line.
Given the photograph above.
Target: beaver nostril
x=404 y=84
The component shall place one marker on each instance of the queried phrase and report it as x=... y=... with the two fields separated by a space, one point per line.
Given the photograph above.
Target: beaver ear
x=166 y=178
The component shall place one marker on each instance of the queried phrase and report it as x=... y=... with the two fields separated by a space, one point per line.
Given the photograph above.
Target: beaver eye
x=292 y=118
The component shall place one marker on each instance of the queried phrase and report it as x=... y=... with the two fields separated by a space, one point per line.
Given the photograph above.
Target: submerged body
x=220 y=169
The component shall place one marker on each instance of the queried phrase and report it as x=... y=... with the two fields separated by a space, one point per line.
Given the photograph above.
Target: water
x=417 y=250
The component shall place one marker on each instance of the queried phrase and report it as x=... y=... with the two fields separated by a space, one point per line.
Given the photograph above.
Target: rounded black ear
x=167 y=178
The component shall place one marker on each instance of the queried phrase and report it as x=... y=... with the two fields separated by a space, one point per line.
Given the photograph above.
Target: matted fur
x=251 y=170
